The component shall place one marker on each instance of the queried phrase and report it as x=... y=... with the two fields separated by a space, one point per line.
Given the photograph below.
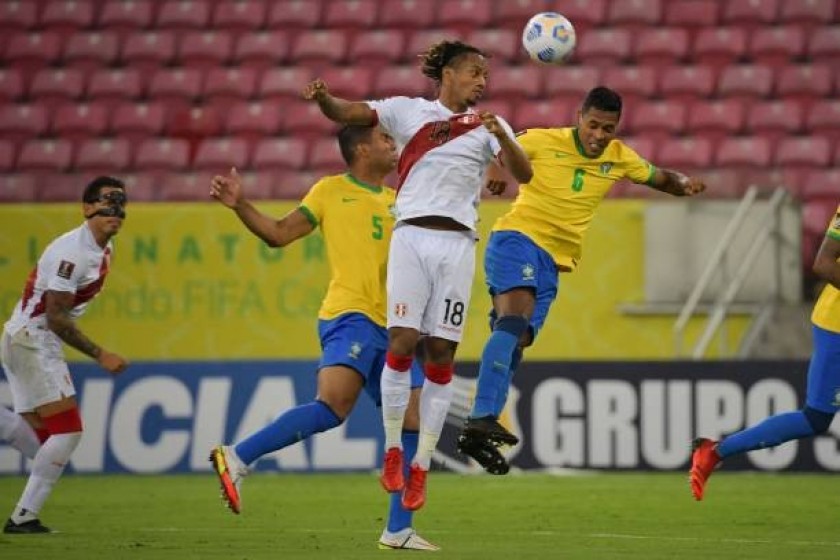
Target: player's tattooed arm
x=827 y=265
x=675 y=183
x=336 y=109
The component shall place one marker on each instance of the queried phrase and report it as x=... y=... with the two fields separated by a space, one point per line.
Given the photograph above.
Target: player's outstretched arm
x=336 y=109
x=275 y=233
x=512 y=155
x=677 y=184
x=59 y=321
x=826 y=265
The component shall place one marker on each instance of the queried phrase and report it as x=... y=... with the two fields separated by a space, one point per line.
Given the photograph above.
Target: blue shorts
x=824 y=372
x=353 y=340
x=512 y=260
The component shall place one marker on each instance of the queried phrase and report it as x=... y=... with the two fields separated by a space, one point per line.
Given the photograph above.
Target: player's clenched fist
x=315 y=89
x=694 y=186
x=491 y=123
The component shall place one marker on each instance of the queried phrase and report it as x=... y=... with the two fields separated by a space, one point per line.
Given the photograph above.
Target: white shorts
x=430 y=277
x=35 y=368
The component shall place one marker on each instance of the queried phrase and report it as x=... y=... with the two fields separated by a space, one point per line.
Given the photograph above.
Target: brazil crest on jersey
x=356 y=222
x=826 y=314
x=554 y=210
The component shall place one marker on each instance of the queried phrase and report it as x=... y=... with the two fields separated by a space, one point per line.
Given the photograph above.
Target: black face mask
x=116 y=201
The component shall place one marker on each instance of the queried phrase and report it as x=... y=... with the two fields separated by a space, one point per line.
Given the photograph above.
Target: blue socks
x=494 y=372
x=501 y=398
x=398 y=517
x=292 y=426
x=770 y=432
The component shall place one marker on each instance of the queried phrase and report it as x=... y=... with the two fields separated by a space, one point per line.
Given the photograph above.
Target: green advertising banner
x=189 y=282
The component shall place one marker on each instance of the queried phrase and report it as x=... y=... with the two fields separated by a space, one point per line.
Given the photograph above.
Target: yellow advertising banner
x=189 y=282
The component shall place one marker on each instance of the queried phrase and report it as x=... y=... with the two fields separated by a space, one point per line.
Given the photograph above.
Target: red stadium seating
x=824 y=119
x=325 y=156
x=225 y=86
x=183 y=15
x=162 y=154
x=401 y=80
x=635 y=14
x=32 y=51
x=464 y=14
x=279 y=154
x=724 y=183
x=52 y=86
x=79 y=121
x=67 y=16
x=691 y=13
x=220 y=154
x=204 y=49
x=349 y=82
x=408 y=13
x=542 y=114
x=805 y=151
x=745 y=151
x=822 y=183
x=665 y=45
x=257 y=185
x=141 y=187
x=89 y=51
x=17 y=187
x=751 y=13
x=178 y=187
x=240 y=15
x=658 y=119
x=45 y=155
x=570 y=83
x=716 y=120
x=584 y=14
x=746 y=82
x=138 y=121
x=7 y=156
x=680 y=153
x=20 y=122
x=18 y=15
x=360 y=14
x=806 y=82
x=178 y=87
x=120 y=17
x=775 y=46
x=634 y=83
x=504 y=45
x=319 y=46
x=194 y=124
x=103 y=156
x=645 y=147
x=305 y=119
x=261 y=50
x=294 y=15
x=515 y=82
x=377 y=47
x=149 y=51
x=11 y=85
x=253 y=121
x=111 y=87
x=687 y=83
x=294 y=184
x=719 y=47
x=775 y=119
x=283 y=84
x=604 y=47
x=419 y=41
x=824 y=44
x=500 y=107
x=810 y=12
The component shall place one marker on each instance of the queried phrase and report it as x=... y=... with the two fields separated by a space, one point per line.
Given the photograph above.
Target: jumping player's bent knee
x=439 y=373
x=65 y=422
x=517 y=325
x=819 y=420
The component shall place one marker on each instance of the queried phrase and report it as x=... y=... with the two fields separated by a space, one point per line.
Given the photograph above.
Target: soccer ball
x=549 y=38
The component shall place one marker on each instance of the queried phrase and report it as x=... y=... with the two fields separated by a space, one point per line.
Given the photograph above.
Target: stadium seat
x=401 y=80
x=419 y=41
x=463 y=15
x=18 y=15
x=11 y=85
x=806 y=82
x=45 y=155
x=775 y=119
x=284 y=84
x=803 y=151
x=824 y=44
x=294 y=185
x=719 y=47
x=822 y=183
x=137 y=121
x=67 y=16
x=349 y=82
x=185 y=187
x=516 y=82
x=570 y=83
x=691 y=13
x=319 y=46
x=811 y=13
x=23 y=121
x=183 y=15
x=218 y=155
x=194 y=124
x=604 y=47
x=824 y=119
x=747 y=82
x=261 y=51
x=17 y=187
x=7 y=156
x=294 y=15
x=240 y=16
x=359 y=14
x=111 y=87
x=305 y=119
x=683 y=153
x=584 y=14
x=141 y=187
x=666 y=45
x=541 y=114
x=658 y=119
x=635 y=14
x=504 y=45
x=253 y=121
x=279 y=154
x=149 y=51
x=178 y=87
x=29 y=52
x=377 y=47
x=776 y=46
x=108 y=156
x=75 y=122
x=203 y=50
x=325 y=156
x=52 y=86
x=90 y=51
x=162 y=154
x=744 y=151
x=500 y=107
x=225 y=86
x=645 y=147
x=716 y=120
x=750 y=13
x=722 y=183
x=816 y=216
x=408 y=14
x=121 y=17
x=634 y=83
x=687 y=83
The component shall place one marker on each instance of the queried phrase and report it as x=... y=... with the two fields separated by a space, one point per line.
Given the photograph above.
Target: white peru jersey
x=443 y=157
x=71 y=263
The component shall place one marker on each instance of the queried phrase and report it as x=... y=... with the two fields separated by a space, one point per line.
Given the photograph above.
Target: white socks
x=18 y=433
x=47 y=467
x=434 y=406
x=396 y=390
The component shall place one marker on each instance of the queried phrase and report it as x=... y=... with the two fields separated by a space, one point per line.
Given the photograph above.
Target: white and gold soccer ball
x=549 y=38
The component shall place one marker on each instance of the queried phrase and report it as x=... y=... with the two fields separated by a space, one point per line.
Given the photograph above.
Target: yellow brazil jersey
x=356 y=222
x=826 y=313
x=554 y=210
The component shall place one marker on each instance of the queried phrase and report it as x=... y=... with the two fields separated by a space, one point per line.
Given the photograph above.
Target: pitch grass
x=599 y=516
